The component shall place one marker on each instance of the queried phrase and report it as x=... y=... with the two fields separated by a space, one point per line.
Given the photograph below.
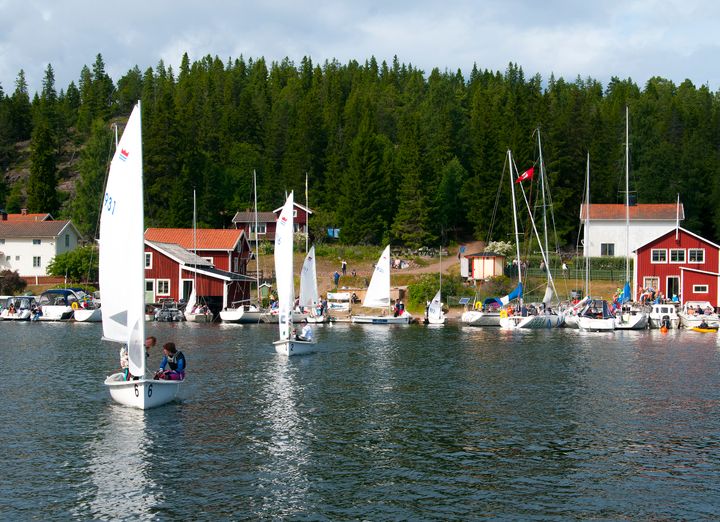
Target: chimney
x=23 y=211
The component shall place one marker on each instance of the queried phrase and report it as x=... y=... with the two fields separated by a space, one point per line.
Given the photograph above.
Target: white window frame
x=261 y=227
x=653 y=281
x=605 y=245
x=37 y=241
x=658 y=250
x=677 y=251
x=696 y=251
x=210 y=260
x=37 y=261
x=148 y=260
x=294 y=212
x=701 y=289
x=151 y=285
x=159 y=283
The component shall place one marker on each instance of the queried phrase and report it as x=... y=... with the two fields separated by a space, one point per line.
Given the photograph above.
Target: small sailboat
x=288 y=344
x=434 y=313
x=194 y=311
x=378 y=296
x=246 y=312
x=122 y=273
x=309 y=297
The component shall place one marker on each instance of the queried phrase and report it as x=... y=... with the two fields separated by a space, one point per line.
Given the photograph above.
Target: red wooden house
x=266 y=222
x=219 y=264
x=680 y=263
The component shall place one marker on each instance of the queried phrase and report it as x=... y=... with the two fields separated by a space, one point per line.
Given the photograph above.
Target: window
x=150 y=285
x=261 y=229
x=210 y=260
x=658 y=255
x=67 y=240
x=696 y=255
x=17 y=258
x=677 y=255
x=2 y=241
x=700 y=289
x=8 y=258
x=163 y=287
x=36 y=261
x=294 y=212
x=607 y=249
x=148 y=260
x=651 y=282
x=37 y=241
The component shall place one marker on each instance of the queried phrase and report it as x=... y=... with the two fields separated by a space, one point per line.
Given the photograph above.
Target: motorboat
x=18 y=308
x=58 y=304
x=596 y=317
x=695 y=312
x=664 y=314
x=169 y=312
x=632 y=316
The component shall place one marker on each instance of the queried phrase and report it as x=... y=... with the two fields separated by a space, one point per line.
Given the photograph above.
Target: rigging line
x=497 y=204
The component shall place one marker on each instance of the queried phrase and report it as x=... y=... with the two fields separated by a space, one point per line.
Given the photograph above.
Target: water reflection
x=123 y=486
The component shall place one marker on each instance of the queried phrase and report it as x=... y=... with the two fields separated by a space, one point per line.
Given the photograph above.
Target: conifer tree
x=42 y=193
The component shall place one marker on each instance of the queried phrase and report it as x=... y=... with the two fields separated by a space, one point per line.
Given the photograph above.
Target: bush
x=11 y=283
x=424 y=290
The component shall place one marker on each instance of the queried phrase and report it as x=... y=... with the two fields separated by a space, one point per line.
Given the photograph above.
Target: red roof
x=206 y=238
x=29 y=217
x=649 y=211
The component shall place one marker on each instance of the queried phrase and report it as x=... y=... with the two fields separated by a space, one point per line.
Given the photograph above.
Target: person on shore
x=175 y=361
x=343 y=267
x=336 y=277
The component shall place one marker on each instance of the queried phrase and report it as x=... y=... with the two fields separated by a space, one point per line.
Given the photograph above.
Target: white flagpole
x=677 y=217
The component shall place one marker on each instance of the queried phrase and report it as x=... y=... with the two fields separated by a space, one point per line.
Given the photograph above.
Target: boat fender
x=478 y=305
x=74 y=305
x=503 y=314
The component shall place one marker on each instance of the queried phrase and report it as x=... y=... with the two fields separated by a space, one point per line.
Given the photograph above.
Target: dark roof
x=249 y=217
x=20 y=229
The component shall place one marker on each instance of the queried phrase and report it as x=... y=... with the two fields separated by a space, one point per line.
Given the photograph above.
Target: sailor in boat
x=305 y=335
x=125 y=358
x=703 y=324
x=175 y=361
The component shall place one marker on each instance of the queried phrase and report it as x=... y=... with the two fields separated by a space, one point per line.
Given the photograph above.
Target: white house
x=607 y=229
x=28 y=246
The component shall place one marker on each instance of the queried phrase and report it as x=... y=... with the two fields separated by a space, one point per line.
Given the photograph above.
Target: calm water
x=399 y=423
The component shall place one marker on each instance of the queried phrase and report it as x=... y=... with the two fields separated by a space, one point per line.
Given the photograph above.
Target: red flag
x=528 y=174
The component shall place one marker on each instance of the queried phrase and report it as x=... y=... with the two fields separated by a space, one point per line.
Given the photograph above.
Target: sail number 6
x=109 y=203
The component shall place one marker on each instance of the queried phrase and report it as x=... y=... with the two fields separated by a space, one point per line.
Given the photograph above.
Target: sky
x=636 y=39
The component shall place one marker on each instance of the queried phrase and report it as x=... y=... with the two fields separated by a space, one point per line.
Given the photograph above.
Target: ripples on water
x=383 y=423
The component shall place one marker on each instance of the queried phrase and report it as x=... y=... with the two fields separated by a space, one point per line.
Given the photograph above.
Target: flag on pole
x=528 y=174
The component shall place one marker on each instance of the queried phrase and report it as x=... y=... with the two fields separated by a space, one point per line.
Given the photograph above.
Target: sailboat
x=194 y=312
x=122 y=272
x=543 y=319
x=631 y=316
x=378 y=295
x=288 y=344
x=434 y=313
x=595 y=315
x=309 y=297
x=246 y=312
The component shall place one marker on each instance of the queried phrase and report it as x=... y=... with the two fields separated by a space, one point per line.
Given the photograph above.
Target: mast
x=307 y=215
x=542 y=190
x=627 y=194
x=195 y=247
x=517 y=238
x=257 y=248
x=587 y=228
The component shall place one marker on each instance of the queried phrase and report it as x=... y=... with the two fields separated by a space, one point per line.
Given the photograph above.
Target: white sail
x=192 y=298
x=308 y=281
x=378 y=292
x=547 y=298
x=122 y=257
x=284 y=268
x=435 y=308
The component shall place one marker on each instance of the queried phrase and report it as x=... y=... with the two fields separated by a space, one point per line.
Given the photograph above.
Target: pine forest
x=391 y=153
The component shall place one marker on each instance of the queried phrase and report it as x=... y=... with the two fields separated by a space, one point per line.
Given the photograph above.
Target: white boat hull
x=240 y=315
x=294 y=347
x=93 y=315
x=477 y=318
x=143 y=393
x=56 y=313
x=199 y=318
x=571 y=321
x=657 y=322
x=694 y=321
x=531 y=322
x=435 y=319
x=637 y=321
x=20 y=315
x=589 y=324
x=316 y=319
x=381 y=319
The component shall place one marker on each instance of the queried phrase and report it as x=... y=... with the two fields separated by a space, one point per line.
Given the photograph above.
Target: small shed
x=482 y=266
